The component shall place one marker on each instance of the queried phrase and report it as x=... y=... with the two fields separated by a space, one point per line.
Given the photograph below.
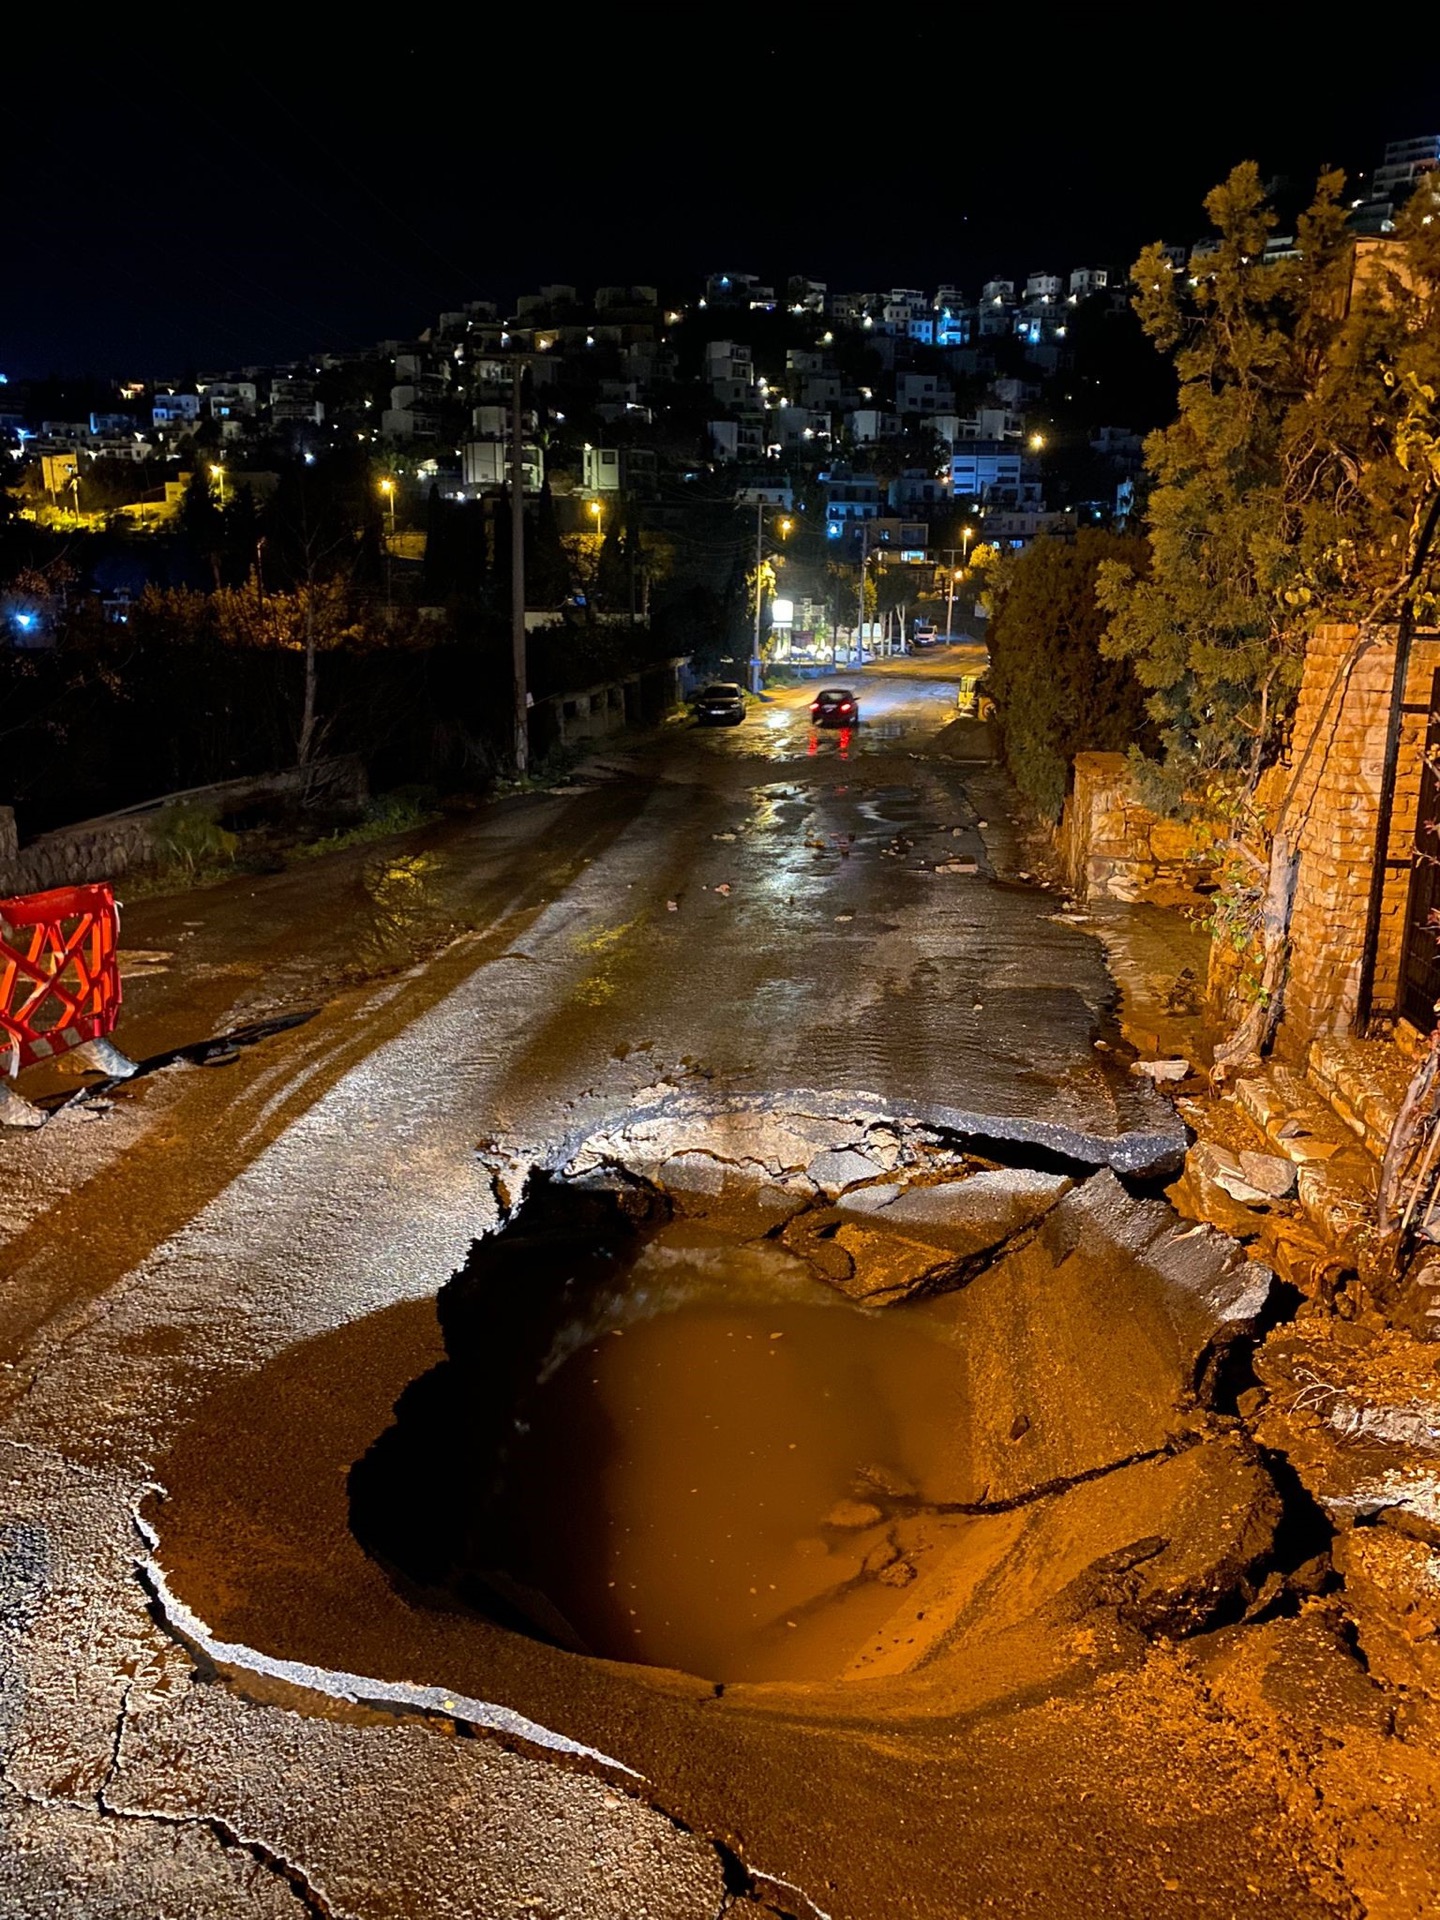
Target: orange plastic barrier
x=59 y=972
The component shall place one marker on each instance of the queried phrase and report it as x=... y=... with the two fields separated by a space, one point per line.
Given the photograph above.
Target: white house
x=983 y=469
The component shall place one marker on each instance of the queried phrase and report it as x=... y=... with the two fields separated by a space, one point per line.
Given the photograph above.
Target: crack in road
x=1061 y=1483
x=312 y=1901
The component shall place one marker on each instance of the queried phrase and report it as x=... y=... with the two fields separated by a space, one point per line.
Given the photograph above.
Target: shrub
x=1055 y=695
x=189 y=841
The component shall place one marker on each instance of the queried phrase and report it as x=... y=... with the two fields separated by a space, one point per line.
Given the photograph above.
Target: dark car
x=722 y=704
x=835 y=707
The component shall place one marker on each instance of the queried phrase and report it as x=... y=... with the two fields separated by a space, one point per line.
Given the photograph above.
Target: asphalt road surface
x=247 y=1252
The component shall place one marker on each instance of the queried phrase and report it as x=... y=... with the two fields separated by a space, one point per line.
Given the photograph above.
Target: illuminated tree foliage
x=1294 y=484
x=1299 y=484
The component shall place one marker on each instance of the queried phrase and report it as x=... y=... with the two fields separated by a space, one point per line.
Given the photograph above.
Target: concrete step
x=1272 y=1115
x=1364 y=1082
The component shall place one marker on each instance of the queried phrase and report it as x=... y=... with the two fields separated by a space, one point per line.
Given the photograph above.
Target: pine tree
x=547 y=566
x=201 y=524
x=241 y=536
x=438 y=569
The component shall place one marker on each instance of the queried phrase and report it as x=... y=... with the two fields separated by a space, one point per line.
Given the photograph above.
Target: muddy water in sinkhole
x=693 y=1482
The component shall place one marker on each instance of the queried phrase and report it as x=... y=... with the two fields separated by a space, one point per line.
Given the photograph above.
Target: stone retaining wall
x=593 y=713
x=114 y=844
x=1114 y=848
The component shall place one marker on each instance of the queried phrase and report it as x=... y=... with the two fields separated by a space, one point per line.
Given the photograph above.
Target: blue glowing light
x=25 y=621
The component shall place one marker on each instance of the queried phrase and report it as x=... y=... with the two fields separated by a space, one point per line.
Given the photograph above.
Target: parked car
x=835 y=707
x=972 y=698
x=721 y=704
x=926 y=634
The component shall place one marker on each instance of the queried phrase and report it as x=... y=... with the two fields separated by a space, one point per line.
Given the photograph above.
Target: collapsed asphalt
x=234 y=1276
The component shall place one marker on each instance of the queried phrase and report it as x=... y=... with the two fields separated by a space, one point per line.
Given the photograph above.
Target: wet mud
x=719 y=1465
x=658 y=1442
x=979 y=1468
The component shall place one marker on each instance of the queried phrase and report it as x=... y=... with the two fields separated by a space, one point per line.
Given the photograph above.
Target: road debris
x=1161 y=1069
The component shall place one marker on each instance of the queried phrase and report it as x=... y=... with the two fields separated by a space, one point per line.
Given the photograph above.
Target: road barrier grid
x=59 y=973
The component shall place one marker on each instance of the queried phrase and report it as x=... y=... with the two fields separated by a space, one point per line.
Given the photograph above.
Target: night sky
x=173 y=204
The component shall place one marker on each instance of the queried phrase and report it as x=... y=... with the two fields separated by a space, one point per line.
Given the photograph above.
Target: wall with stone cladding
x=1337 y=757
x=115 y=844
x=1113 y=848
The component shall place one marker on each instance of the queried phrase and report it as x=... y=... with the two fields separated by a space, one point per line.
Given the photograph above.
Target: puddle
x=659 y=1441
x=971 y=1469
x=703 y=1474
x=654 y=1442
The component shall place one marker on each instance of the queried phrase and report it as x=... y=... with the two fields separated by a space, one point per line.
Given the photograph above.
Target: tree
x=317 y=616
x=547 y=566
x=1213 y=629
x=1055 y=693
x=201 y=523
x=895 y=589
x=240 y=535
x=611 y=569
x=1299 y=484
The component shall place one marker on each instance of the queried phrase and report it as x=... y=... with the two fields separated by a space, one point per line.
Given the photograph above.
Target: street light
x=1037 y=441
x=218 y=473
x=967 y=534
x=387 y=487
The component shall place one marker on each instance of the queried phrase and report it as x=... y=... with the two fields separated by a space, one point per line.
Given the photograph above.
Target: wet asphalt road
x=748 y=912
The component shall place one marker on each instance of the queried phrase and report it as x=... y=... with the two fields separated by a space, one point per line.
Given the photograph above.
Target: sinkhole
x=806 y=1435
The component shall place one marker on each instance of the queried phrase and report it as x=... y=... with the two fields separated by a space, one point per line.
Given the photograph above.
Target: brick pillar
x=1338 y=757
x=1414 y=725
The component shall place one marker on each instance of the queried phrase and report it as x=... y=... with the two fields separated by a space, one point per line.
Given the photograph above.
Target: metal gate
x=1420 y=978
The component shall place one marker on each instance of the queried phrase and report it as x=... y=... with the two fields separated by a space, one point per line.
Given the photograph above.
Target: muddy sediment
x=656 y=1441
x=1041 y=1479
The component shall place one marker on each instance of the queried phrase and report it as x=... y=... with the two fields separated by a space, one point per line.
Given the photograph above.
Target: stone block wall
x=95 y=850
x=115 y=844
x=1337 y=760
x=594 y=713
x=1113 y=848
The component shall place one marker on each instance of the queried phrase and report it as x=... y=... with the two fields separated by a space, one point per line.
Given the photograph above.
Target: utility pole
x=950 y=594
x=759 y=594
x=517 y=573
x=864 y=562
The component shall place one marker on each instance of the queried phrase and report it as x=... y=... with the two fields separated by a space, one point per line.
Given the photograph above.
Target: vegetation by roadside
x=1055 y=692
x=195 y=849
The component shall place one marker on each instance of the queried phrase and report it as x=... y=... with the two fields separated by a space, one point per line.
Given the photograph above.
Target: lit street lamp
x=387 y=487
x=967 y=534
x=217 y=474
